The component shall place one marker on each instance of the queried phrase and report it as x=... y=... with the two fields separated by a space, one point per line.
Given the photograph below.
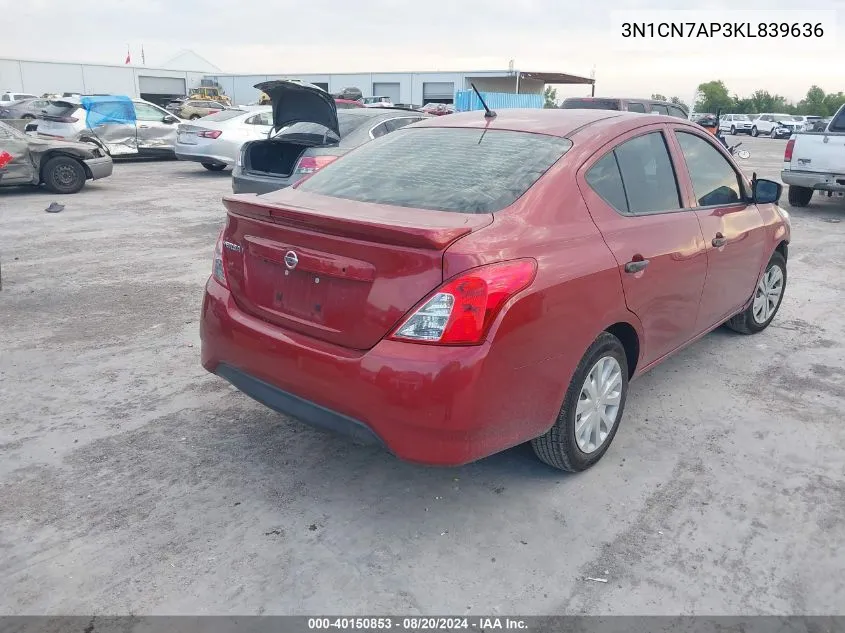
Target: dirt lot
x=133 y=482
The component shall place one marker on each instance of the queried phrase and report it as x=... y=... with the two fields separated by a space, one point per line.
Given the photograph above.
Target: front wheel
x=767 y=299
x=194 y=117
x=799 y=196
x=773 y=134
x=591 y=411
x=733 y=130
x=754 y=131
x=214 y=166
x=63 y=174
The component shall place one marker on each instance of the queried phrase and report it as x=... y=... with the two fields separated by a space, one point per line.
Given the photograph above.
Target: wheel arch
x=783 y=249
x=53 y=153
x=630 y=339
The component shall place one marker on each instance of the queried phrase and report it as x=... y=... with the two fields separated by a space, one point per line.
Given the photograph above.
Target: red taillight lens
x=218 y=270
x=5 y=159
x=787 y=154
x=210 y=134
x=462 y=310
x=310 y=164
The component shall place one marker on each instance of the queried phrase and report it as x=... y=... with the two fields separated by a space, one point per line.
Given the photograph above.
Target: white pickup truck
x=815 y=161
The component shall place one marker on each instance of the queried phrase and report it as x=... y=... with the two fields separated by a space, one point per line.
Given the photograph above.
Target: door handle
x=635 y=266
x=719 y=240
x=144 y=127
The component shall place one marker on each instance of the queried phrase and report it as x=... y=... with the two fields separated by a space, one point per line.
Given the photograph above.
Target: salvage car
x=309 y=133
x=193 y=110
x=215 y=141
x=25 y=109
x=469 y=283
x=120 y=125
x=61 y=166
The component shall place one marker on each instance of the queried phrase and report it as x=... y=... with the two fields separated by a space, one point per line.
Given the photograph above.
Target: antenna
x=488 y=113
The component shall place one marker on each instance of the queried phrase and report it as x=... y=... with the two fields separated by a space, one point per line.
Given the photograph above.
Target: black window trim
x=661 y=130
x=743 y=202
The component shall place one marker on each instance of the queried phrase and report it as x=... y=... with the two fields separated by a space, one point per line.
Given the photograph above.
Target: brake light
x=5 y=159
x=787 y=153
x=218 y=271
x=310 y=164
x=210 y=133
x=462 y=310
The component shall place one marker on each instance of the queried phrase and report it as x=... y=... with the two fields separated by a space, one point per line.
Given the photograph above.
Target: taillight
x=209 y=133
x=462 y=310
x=310 y=164
x=787 y=153
x=5 y=159
x=217 y=269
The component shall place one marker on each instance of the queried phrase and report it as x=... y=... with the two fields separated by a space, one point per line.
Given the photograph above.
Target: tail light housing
x=218 y=270
x=787 y=153
x=310 y=164
x=462 y=310
x=210 y=134
x=5 y=159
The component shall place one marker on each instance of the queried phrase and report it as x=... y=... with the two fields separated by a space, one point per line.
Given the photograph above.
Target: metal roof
x=556 y=78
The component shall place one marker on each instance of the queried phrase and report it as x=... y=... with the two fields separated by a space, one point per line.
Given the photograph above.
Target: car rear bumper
x=427 y=404
x=253 y=183
x=183 y=153
x=814 y=180
x=100 y=167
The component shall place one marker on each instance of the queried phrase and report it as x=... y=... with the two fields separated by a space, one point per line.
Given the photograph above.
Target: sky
x=259 y=36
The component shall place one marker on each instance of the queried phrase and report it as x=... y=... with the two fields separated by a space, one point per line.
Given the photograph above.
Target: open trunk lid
x=338 y=270
x=295 y=102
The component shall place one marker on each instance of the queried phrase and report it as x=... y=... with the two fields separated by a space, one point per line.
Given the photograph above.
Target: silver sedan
x=215 y=140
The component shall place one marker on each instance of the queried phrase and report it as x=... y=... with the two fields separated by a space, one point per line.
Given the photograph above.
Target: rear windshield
x=60 y=108
x=224 y=115
x=347 y=123
x=443 y=169
x=591 y=104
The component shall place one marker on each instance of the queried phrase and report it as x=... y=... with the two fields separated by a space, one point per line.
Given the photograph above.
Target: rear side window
x=591 y=104
x=647 y=179
x=714 y=181
x=262 y=118
x=60 y=108
x=443 y=169
x=636 y=107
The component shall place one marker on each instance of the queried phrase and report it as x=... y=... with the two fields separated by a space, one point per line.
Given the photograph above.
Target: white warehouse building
x=188 y=70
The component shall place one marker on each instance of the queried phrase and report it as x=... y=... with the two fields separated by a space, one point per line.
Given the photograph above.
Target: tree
x=659 y=97
x=814 y=103
x=713 y=96
x=550 y=97
x=678 y=102
x=834 y=102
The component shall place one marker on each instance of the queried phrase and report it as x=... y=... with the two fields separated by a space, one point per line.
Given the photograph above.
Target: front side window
x=714 y=181
x=659 y=109
x=636 y=107
x=146 y=112
x=462 y=170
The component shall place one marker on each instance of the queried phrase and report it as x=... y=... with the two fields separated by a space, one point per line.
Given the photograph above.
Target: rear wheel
x=799 y=196
x=754 y=131
x=773 y=134
x=591 y=411
x=733 y=130
x=28 y=117
x=214 y=166
x=194 y=117
x=63 y=174
x=767 y=299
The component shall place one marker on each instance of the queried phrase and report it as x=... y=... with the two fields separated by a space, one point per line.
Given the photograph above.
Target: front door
x=633 y=197
x=733 y=229
x=156 y=129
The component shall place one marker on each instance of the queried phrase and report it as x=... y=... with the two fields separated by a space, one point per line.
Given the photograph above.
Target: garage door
x=387 y=90
x=161 y=85
x=439 y=91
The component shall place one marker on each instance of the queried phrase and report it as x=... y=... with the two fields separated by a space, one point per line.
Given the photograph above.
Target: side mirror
x=766 y=191
x=170 y=119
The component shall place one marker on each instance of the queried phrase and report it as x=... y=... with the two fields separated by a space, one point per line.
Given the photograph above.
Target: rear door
x=734 y=232
x=154 y=132
x=18 y=170
x=633 y=196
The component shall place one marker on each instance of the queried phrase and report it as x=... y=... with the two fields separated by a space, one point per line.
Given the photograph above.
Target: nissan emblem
x=291 y=260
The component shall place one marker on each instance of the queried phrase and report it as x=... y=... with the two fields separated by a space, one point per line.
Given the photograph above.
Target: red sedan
x=466 y=284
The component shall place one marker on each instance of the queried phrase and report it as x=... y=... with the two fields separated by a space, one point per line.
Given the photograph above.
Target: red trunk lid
x=341 y=271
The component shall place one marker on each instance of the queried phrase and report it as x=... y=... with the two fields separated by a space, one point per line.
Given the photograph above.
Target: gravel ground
x=133 y=482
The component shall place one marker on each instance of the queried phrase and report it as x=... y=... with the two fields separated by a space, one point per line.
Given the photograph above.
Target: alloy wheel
x=768 y=294
x=598 y=404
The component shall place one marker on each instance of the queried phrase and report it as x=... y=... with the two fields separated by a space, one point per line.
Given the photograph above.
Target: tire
x=746 y=322
x=194 y=117
x=754 y=132
x=63 y=174
x=733 y=130
x=558 y=447
x=214 y=166
x=28 y=117
x=799 y=196
x=773 y=134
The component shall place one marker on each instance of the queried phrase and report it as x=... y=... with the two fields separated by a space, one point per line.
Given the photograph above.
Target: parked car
x=815 y=161
x=808 y=122
x=192 y=110
x=121 y=126
x=309 y=133
x=466 y=284
x=376 y=102
x=735 y=124
x=215 y=141
x=346 y=104
x=11 y=98
x=24 y=109
x=774 y=125
x=625 y=104
x=61 y=166
x=438 y=109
